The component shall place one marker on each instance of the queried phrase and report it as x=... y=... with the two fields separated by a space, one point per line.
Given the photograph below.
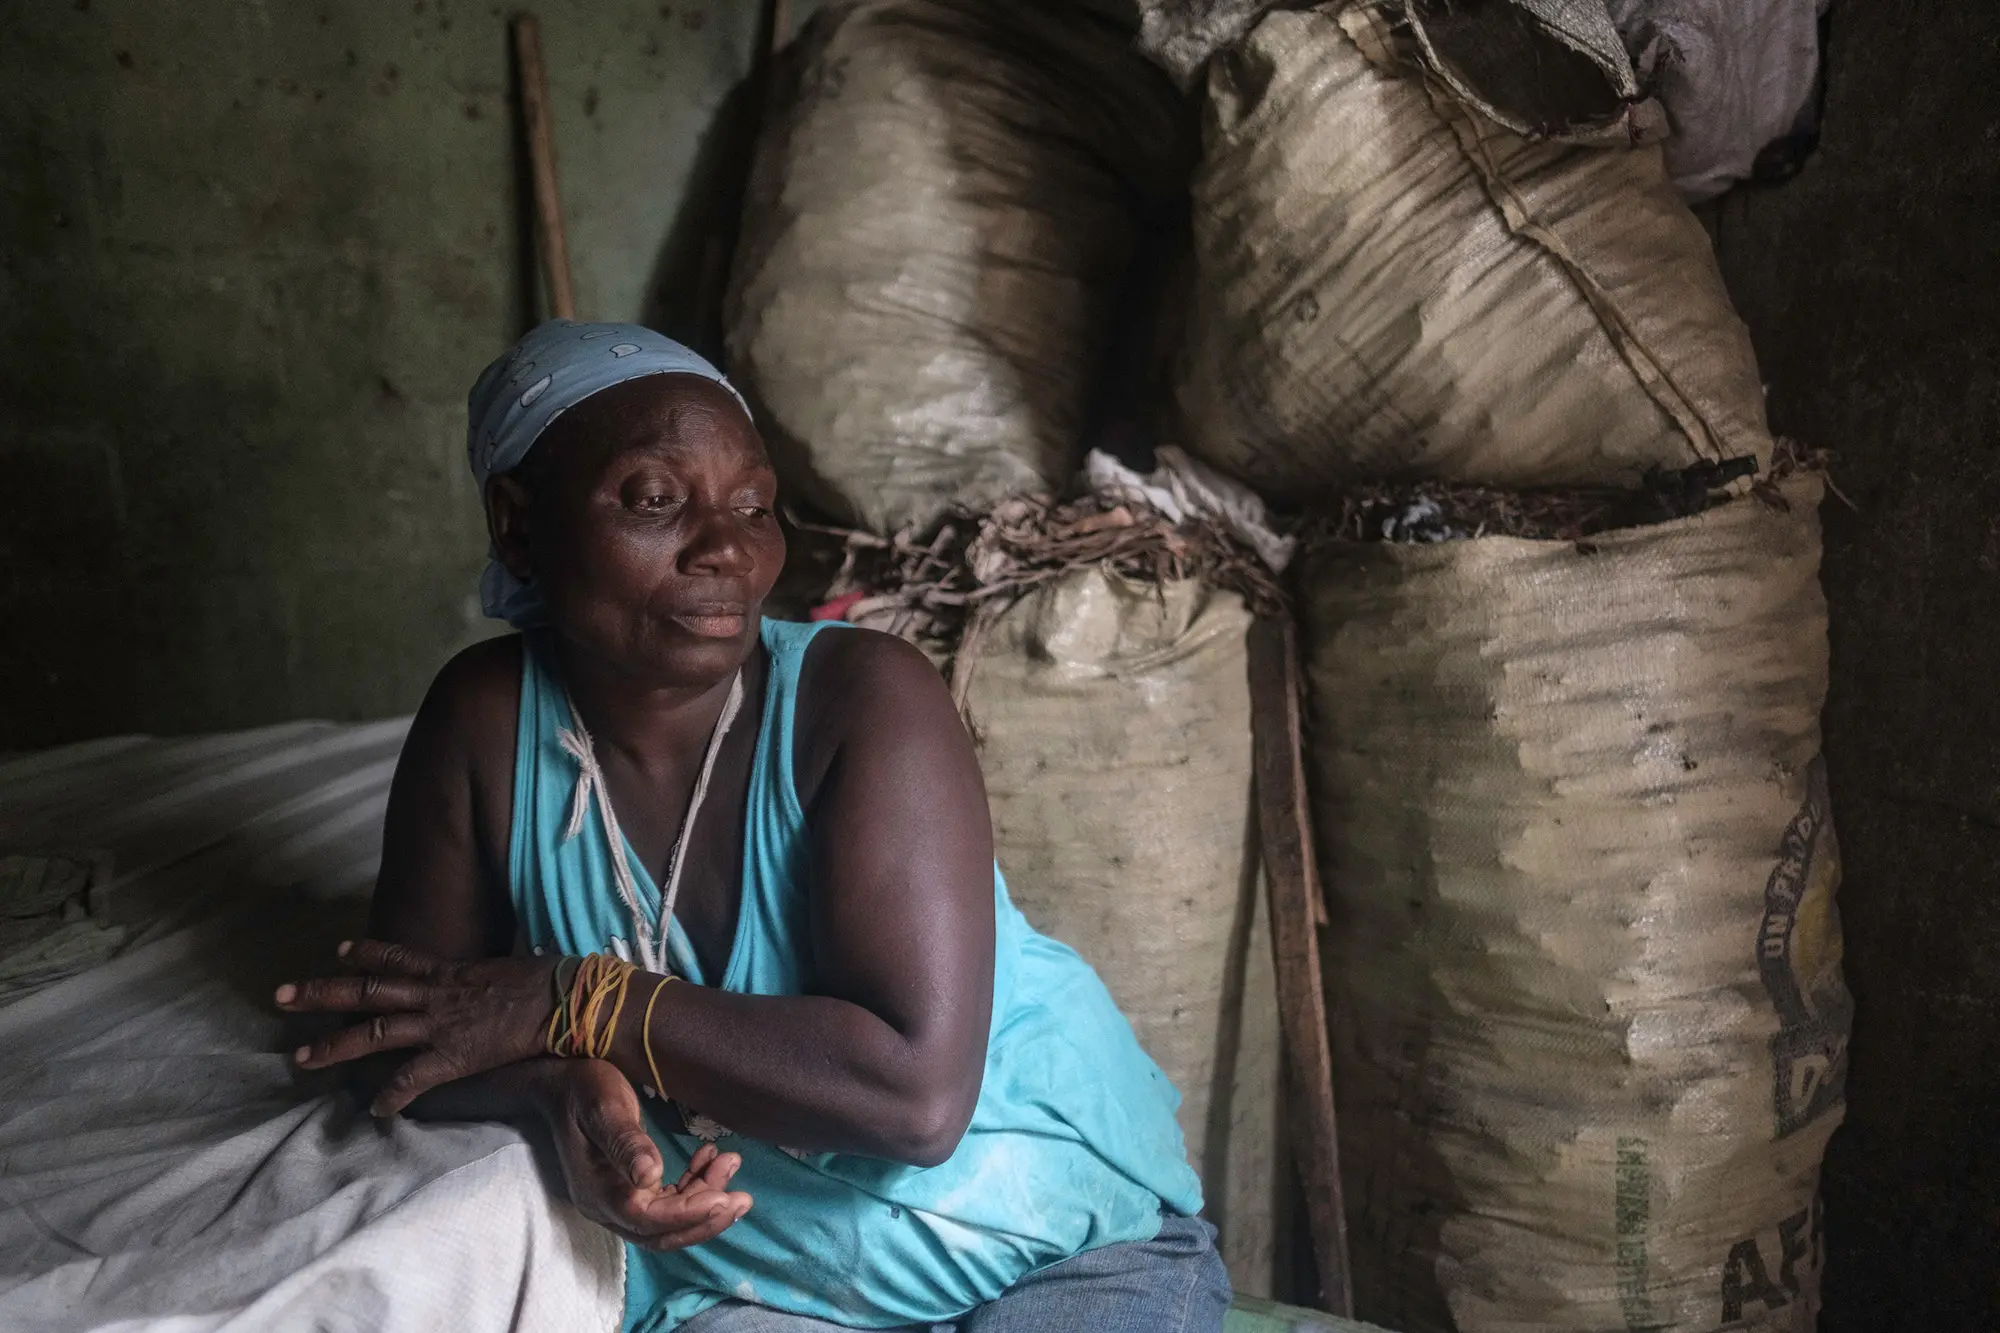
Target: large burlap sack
x=1584 y=959
x=1114 y=731
x=1389 y=286
x=938 y=218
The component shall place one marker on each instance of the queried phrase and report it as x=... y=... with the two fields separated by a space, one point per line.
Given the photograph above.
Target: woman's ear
x=507 y=509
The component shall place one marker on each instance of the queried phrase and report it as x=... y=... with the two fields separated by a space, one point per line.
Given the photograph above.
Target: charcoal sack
x=1390 y=285
x=945 y=198
x=1113 y=720
x=1584 y=959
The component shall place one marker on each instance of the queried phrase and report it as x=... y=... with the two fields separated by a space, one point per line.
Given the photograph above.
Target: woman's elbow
x=932 y=1127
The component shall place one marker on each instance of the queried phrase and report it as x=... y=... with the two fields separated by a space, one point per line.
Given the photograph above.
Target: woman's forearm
x=809 y=1072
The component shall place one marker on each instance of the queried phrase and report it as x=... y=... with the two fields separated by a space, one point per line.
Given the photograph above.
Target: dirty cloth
x=1073 y=1144
x=557 y=365
x=162 y=1166
x=1735 y=76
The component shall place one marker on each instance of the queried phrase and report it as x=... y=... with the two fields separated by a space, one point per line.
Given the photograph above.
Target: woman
x=739 y=873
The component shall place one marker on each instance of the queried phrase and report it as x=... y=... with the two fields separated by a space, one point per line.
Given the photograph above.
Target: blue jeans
x=1173 y=1283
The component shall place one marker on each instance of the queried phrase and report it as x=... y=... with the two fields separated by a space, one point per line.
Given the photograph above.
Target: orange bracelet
x=586 y=1014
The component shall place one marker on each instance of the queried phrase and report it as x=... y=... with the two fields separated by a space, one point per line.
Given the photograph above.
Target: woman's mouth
x=712 y=623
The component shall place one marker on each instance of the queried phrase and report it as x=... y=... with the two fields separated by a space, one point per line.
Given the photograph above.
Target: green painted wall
x=252 y=254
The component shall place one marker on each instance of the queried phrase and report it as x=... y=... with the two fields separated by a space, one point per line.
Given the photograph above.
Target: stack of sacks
x=1590 y=1030
x=942 y=211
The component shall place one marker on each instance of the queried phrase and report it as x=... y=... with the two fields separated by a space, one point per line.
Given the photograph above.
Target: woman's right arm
x=442 y=885
x=442 y=889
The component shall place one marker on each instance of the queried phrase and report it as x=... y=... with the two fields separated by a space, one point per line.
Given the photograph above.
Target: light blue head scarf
x=558 y=365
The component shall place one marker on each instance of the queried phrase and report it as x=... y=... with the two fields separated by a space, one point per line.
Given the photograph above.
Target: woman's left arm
x=886 y=1058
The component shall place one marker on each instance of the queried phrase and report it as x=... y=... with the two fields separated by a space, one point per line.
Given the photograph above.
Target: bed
x=162 y=1165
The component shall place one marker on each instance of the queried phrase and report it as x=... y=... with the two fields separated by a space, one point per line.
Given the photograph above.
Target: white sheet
x=161 y=1165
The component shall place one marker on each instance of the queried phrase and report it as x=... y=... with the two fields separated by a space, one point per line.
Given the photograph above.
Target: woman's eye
x=753 y=511
x=656 y=503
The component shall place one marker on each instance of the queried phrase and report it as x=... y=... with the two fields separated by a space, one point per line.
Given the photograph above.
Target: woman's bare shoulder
x=857 y=661
x=467 y=720
x=863 y=688
x=481 y=684
x=444 y=840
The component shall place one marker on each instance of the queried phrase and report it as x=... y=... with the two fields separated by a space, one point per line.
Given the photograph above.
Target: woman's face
x=645 y=515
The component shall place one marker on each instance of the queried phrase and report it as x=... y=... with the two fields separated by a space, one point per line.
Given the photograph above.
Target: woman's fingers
x=719 y=1171
x=351 y=995
x=672 y=1219
x=703 y=1155
x=385 y=1032
x=395 y=959
x=634 y=1224
x=432 y=1069
x=651 y=1217
x=716 y=1221
x=616 y=1173
x=647 y=1211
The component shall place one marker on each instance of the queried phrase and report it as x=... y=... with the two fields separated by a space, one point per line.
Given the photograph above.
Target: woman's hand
x=462 y=1018
x=615 y=1171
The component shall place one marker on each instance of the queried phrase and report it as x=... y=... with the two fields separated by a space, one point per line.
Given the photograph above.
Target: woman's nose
x=715 y=546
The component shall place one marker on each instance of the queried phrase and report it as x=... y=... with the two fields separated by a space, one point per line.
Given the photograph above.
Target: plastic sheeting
x=1590 y=1023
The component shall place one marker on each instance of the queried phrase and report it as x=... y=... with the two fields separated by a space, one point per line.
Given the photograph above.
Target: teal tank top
x=1073 y=1143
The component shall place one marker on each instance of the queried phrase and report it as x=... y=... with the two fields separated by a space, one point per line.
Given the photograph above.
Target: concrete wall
x=252 y=253
x=1870 y=284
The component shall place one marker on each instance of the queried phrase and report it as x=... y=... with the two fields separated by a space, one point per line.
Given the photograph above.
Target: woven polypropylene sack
x=1113 y=720
x=941 y=209
x=1590 y=1027
x=1390 y=286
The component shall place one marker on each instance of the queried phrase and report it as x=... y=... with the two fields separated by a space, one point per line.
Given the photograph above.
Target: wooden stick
x=1285 y=831
x=551 y=245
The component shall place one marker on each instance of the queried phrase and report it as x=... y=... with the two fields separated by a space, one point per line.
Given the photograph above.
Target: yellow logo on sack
x=1798 y=957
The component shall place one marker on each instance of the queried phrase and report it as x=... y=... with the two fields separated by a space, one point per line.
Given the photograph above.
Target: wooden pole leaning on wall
x=551 y=243
x=1284 y=825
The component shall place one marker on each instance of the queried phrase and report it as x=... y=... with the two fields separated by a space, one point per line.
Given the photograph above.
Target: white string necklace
x=650 y=940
